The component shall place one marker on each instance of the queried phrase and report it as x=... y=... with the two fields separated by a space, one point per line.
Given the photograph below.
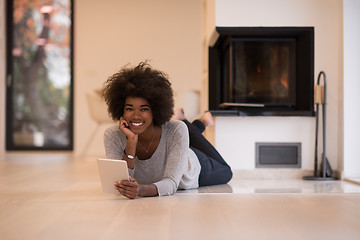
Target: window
x=39 y=102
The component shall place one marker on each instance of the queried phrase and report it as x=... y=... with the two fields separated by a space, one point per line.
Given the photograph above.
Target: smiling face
x=138 y=114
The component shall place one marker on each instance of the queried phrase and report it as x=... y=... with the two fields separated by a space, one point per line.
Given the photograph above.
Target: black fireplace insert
x=262 y=71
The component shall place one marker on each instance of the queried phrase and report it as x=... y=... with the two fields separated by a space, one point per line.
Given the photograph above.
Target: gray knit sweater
x=172 y=166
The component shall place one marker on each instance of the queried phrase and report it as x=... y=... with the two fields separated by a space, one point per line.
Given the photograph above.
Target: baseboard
x=353 y=180
x=275 y=174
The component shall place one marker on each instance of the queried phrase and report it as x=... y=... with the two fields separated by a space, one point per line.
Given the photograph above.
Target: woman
x=163 y=153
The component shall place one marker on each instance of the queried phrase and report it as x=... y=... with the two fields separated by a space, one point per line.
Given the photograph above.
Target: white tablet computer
x=112 y=170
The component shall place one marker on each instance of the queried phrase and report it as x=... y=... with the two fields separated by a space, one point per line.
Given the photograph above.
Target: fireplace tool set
x=326 y=171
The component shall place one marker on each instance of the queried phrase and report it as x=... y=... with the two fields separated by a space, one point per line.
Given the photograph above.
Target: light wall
x=236 y=136
x=112 y=33
x=351 y=88
x=2 y=76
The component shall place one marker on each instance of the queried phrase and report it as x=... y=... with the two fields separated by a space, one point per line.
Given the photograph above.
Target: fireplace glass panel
x=262 y=71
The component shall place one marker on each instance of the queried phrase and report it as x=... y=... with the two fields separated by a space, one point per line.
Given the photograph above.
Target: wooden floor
x=57 y=197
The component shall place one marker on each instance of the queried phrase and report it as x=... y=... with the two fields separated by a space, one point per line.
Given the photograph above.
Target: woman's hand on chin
x=124 y=127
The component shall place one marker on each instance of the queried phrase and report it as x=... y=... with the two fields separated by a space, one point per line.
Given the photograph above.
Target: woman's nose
x=136 y=113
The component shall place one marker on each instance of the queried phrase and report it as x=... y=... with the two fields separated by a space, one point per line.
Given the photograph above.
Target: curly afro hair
x=140 y=81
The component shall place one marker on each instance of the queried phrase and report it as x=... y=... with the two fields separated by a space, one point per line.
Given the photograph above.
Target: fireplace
x=262 y=71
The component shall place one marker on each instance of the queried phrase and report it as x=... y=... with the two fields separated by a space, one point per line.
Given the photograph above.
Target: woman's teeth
x=137 y=124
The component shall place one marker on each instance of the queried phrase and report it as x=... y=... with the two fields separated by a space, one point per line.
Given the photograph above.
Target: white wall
x=112 y=33
x=351 y=34
x=2 y=76
x=236 y=136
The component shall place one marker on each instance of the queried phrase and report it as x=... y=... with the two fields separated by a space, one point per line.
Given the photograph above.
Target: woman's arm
x=115 y=149
x=131 y=143
x=131 y=189
x=177 y=147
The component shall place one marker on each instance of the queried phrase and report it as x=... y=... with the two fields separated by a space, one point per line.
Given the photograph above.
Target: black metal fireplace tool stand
x=325 y=172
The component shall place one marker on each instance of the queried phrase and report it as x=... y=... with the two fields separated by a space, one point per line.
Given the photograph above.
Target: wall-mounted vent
x=278 y=155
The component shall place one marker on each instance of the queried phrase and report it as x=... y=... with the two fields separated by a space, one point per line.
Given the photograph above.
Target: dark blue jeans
x=214 y=169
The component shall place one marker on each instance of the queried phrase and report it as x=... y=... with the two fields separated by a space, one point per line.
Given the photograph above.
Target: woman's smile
x=137 y=124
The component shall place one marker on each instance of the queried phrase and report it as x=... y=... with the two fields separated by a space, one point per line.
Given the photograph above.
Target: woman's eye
x=128 y=109
x=144 y=109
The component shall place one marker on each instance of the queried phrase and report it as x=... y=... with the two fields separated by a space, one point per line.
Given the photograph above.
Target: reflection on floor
x=47 y=197
x=280 y=186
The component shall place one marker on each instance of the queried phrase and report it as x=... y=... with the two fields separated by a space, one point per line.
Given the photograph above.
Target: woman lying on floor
x=164 y=151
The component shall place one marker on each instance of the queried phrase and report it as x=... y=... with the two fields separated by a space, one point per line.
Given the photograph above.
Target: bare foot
x=207 y=119
x=179 y=114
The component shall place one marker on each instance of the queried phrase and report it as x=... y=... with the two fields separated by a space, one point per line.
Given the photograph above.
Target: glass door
x=39 y=101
